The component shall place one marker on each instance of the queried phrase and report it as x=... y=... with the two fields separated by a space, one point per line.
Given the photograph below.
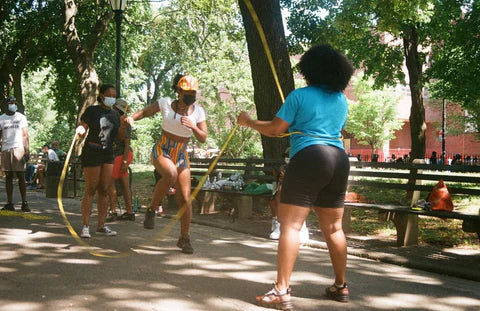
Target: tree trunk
x=82 y=55
x=266 y=95
x=17 y=89
x=418 y=125
x=5 y=82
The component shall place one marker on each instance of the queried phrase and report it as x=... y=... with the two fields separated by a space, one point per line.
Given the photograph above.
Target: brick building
x=465 y=143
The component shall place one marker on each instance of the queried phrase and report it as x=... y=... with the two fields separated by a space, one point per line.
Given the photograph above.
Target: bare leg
x=112 y=196
x=92 y=178
x=22 y=185
x=41 y=176
x=168 y=171
x=102 y=190
x=127 y=195
x=291 y=219
x=330 y=221
x=9 y=185
x=184 y=186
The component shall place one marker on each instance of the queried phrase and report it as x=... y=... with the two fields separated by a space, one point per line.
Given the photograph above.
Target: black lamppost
x=118 y=6
x=444 y=128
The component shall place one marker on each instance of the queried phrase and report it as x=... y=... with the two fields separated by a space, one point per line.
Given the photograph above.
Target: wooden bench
x=251 y=170
x=413 y=178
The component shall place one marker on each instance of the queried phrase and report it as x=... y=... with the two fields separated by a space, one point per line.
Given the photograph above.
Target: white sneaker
x=275 y=235
x=105 y=230
x=85 y=232
x=304 y=235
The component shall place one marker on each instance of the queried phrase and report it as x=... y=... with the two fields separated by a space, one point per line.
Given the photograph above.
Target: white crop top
x=172 y=124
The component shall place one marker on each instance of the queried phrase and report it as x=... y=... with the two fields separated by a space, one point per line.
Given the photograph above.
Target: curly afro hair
x=323 y=65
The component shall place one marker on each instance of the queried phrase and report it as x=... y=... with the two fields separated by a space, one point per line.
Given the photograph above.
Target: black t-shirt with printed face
x=103 y=128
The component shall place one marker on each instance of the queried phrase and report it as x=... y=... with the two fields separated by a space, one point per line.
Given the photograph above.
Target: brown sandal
x=338 y=293
x=275 y=299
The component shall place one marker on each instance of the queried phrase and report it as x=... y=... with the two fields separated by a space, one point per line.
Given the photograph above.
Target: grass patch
x=26 y=216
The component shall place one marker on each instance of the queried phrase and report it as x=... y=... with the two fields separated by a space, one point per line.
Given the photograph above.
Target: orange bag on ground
x=353 y=197
x=440 y=198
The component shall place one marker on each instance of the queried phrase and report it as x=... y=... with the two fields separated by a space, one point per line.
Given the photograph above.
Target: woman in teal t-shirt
x=317 y=174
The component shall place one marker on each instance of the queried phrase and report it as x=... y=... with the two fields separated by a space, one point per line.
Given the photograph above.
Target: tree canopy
x=455 y=66
x=372 y=118
x=54 y=54
x=382 y=38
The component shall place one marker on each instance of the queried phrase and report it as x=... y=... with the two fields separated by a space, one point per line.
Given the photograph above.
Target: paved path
x=43 y=268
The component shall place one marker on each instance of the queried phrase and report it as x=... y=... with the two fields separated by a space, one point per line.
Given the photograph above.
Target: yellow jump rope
x=166 y=230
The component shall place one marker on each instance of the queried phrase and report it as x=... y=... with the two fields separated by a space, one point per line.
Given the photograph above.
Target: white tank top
x=171 y=122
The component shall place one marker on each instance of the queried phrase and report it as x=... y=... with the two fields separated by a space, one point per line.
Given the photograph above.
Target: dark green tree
x=381 y=37
x=455 y=64
x=23 y=27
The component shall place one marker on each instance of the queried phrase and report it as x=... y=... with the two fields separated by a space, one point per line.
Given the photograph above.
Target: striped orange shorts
x=174 y=150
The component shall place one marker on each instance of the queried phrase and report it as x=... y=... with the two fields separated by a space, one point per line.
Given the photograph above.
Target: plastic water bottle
x=136 y=205
x=207 y=185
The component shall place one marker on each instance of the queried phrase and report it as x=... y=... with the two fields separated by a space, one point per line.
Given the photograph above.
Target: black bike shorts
x=316 y=176
x=92 y=157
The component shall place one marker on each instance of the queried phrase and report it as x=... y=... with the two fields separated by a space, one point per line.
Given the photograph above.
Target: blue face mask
x=109 y=101
x=12 y=107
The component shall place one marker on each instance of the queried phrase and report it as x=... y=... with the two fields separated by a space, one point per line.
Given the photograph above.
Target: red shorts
x=117 y=165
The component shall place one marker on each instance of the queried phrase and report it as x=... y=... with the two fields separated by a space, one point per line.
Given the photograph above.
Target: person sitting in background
x=457 y=160
x=32 y=176
x=50 y=153
x=60 y=153
x=30 y=172
x=39 y=177
x=433 y=158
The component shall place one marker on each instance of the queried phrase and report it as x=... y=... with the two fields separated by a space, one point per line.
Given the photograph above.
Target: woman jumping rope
x=182 y=118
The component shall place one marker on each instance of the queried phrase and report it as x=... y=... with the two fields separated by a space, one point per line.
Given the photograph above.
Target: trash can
x=53 y=173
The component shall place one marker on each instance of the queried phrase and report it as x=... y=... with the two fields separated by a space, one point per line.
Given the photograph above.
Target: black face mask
x=189 y=99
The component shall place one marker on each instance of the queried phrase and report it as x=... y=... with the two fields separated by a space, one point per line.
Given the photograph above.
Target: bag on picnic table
x=440 y=198
x=257 y=189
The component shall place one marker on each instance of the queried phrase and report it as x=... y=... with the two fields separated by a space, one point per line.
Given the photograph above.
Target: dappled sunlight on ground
x=44 y=269
x=19 y=306
x=392 y=272
x=417 y=302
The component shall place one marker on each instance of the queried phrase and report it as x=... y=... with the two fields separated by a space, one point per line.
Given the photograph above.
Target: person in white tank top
x=182 y=118
x=15 y=151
